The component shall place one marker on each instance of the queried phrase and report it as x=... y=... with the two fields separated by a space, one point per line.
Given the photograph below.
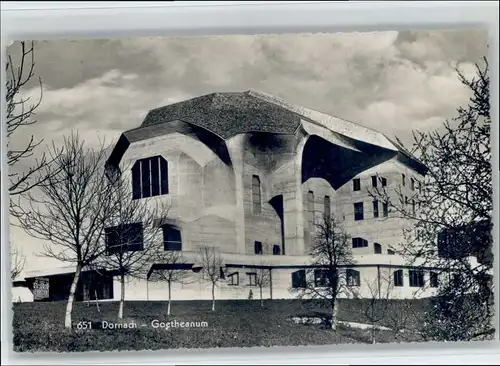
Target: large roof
x=233 y=113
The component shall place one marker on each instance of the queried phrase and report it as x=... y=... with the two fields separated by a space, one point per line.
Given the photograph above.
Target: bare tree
x=18 y=261
x=71 y=209
x=453 y=220
x=20 y=113
x=331 y=256
x=212 y=263
x=173 y=271
x=132 y=232
x=377 y=306
x=262 y=279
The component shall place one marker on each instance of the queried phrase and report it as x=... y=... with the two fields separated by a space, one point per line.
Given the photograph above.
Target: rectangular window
x=398 y=278
x=320 y=278
x=434 y=279
x=375 y=208
x=310 y=210
x=234 y=279
x=146 y=178
x=377 y=248
x=374 y=181
x=155 y=177
x=384 y=182
x=356 y=184
x=327 y=207
x=412 y=184
x=358 y=211
x=352 y=278
x=252 y=279
x=413 y=206
x=256 y=194
x=299 y=279
x=385 y=209
x=257 y=247
x=276 y=250
x=390 y=252
x=164 y=176
x=416 y=278
x=136 y=181
x=403 y=178
x=359 y=243
x=172 y=240
x=124 y=238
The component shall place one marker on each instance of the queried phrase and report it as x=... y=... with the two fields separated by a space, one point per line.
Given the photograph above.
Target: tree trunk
x=334 y=314
x=261 y=299
x=71 y=298
x=122 y=296
x=169 y=297
x=213 y=296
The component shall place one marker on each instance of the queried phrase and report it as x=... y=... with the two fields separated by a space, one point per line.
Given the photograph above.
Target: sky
x=394 y=82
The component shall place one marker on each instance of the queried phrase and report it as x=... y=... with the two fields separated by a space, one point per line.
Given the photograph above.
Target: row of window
x=363 y=243
x=359 y=212
x=234 y=279
x=321 y=278
x=130 y=238
x=356 y=183
x=259 y=250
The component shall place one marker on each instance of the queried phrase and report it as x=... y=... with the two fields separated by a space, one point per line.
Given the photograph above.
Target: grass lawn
x=244 y=323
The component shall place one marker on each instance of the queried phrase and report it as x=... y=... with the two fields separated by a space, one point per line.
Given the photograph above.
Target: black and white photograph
x=230 y=191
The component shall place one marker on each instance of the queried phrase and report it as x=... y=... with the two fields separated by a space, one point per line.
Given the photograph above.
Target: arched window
x=149 y=177
x=377 y=248
x=256 y=195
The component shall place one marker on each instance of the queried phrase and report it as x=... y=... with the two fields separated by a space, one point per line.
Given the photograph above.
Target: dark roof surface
x=228 y=114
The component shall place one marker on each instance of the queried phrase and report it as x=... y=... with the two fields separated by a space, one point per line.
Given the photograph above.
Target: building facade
x=251 y=175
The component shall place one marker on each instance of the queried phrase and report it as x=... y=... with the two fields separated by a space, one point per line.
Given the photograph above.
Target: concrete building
x=251 y=174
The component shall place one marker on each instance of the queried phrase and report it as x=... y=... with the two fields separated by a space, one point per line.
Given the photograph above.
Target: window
x=377 y=248
x=412 y=184
x=171 y=238
x=257 y=247
x=252 y=278
x=352 y=277
x=256 y=199
x=375 y=208
x=327 y=204
x=416 y=278
x=403 y=177
x=276 y=250
x=390 y=252
x=359 y=243
x=419 y=187
x=356 y=184
x=385 y=209
x=358 y=211
x=413 y=206
x=320 y=278
x=406 y=200
x=149 y=177
x=374 y=181
x=384 y=182
x=434 y=281
x=310 y=210
x=299 y=279
x=234 y=279
x=124 y=238
x=398 y=278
